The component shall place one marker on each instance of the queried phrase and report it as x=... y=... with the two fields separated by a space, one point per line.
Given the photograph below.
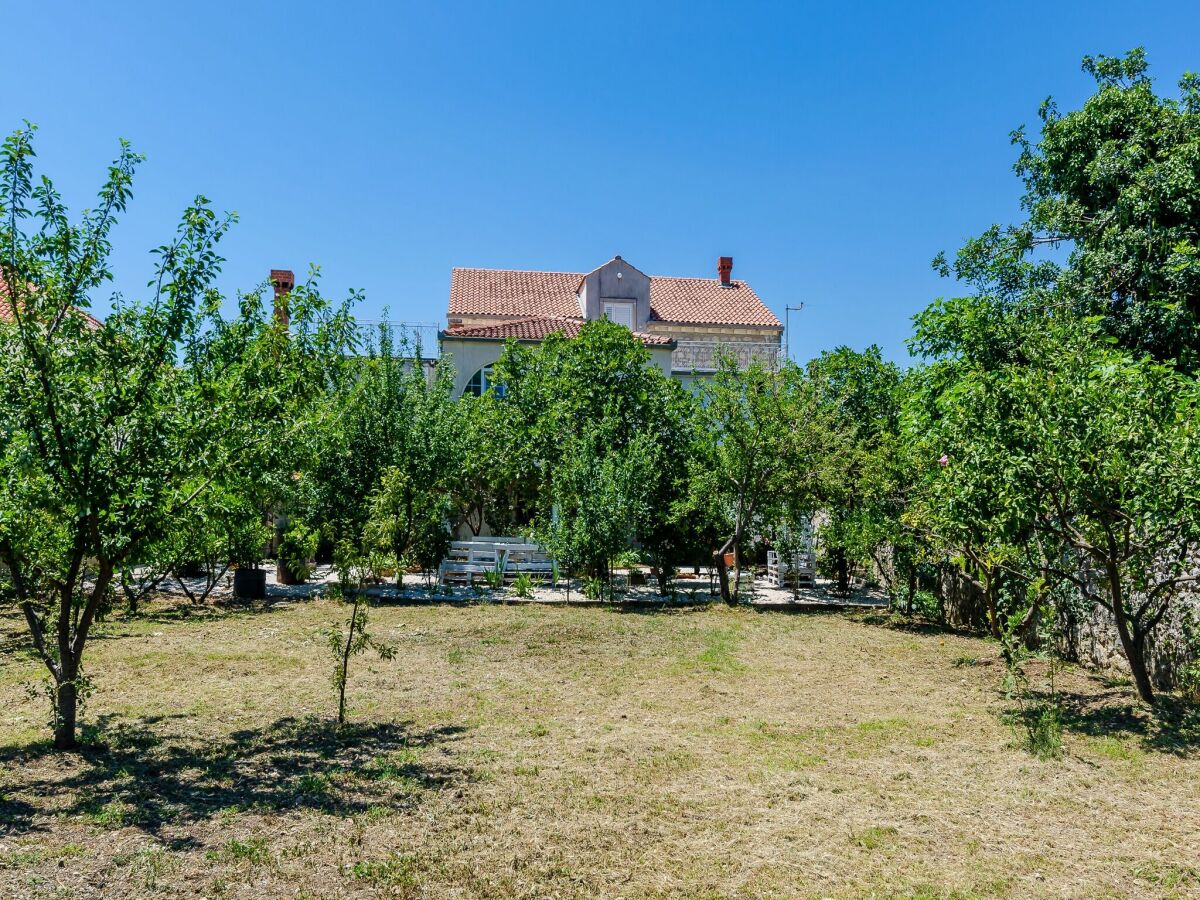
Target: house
x=684 y=322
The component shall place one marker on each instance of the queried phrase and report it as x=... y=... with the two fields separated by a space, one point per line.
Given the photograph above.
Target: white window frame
x=607 y=307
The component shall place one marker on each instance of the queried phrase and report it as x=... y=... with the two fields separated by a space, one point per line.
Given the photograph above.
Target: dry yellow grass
x=528 y=751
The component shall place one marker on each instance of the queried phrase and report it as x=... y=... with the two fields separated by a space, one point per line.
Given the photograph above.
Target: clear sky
x=832 y=149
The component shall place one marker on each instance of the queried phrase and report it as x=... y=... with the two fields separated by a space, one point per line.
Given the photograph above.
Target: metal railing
x=701 y=356
x=408 y=333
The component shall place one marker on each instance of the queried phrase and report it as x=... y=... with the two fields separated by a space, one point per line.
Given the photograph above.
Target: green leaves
x=116 y=437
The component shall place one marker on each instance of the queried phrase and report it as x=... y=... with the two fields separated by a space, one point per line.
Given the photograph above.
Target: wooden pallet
x=471 y=561
x=801 y=571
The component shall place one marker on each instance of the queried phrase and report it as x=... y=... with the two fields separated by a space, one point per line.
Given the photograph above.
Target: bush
x=296 y=548
x=522 y=586
x=1044 y=730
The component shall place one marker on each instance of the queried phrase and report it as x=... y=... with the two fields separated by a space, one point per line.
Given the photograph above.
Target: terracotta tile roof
x=537 y=328
x=7 y=317
x=697 y=301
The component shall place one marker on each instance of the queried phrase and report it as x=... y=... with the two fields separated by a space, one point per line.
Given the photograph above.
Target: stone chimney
x=725 y=270
x=283 y=280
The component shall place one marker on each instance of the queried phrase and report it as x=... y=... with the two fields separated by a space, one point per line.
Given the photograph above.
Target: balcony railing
x=408 y=334
x=701 y=356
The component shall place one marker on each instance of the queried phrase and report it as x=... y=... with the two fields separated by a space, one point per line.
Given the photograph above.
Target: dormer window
x=620 y=313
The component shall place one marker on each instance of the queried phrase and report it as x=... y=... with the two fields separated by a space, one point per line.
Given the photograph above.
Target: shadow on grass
x=914 y=624
x=126 y=775
x=1170 y=726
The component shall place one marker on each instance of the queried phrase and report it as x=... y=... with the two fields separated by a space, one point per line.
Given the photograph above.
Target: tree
x=599 y=444
x=354 y=639
x=112 y=433
x=488 y=487
x=1056 y=396
x=395 y=422
x=1115 y=183
x=861 y=392
x=1076 y=462
x=408 y=520
x=599 y=500
x=771 y=444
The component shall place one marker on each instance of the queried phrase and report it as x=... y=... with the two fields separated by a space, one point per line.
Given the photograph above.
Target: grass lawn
x=532 y=751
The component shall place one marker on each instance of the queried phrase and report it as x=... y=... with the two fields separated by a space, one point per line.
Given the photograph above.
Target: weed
x=874 y=837
x=522 y=586
x=149 y=864
x=253 y=851
x=396 y=871
x=113 y=814
x=718 y=652
x=313 y=785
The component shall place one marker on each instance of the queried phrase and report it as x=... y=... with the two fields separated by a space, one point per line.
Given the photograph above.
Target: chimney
x=283 y=280
x=725 y=270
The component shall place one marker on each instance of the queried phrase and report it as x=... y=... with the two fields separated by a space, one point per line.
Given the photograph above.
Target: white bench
x=799 y=571
x=468 y=561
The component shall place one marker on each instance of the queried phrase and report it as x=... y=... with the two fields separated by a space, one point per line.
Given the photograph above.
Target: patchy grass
x=525 y=752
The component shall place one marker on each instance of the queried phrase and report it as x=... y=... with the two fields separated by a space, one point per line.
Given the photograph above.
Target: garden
x=281 y=614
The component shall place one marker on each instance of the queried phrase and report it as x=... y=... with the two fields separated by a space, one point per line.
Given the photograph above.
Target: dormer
x=616 y=290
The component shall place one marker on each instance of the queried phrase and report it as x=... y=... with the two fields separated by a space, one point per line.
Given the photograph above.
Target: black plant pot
x=250 y=584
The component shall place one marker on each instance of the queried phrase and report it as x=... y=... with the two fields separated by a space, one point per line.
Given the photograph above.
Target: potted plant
x=246 y=544
x=297 y=547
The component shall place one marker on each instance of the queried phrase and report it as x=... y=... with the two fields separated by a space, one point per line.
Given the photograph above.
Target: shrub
x=297 y=547
x=522 y=586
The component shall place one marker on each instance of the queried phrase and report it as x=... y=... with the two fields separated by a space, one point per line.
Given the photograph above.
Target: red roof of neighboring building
x=538 y=328
x=694 y=301
x=7 y=317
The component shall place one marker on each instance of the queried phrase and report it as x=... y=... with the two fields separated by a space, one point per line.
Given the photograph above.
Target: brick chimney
x=725 y=270
x=283 y=280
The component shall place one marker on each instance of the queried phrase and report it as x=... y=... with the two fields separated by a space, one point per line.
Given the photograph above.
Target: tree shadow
x=127 y=775
x=1170 y=726
x=913 y=624
x=666 y=606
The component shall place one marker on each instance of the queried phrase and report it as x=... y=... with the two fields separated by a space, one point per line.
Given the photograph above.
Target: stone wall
x=1092 y=639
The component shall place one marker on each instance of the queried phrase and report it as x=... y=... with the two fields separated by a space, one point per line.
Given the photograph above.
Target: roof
x=690 y=301
x=7 y=317
x=537 y=328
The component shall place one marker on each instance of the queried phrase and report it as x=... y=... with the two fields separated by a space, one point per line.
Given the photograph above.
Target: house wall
x=682 y=332
x=469 y=356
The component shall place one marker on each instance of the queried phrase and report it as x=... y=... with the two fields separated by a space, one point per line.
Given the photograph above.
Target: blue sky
x=831 y=149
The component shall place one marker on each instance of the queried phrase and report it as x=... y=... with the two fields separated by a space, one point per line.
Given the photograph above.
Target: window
x=621 y=313
x=481 y=381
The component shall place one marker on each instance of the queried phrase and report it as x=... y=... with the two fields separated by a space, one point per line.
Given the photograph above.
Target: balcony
x=701 y=356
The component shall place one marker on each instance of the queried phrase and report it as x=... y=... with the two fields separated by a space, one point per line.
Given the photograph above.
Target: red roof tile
x=697 y=301
x=7 y=317
x=539 y=328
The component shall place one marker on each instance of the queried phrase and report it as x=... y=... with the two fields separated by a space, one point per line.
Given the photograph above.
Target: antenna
x=787 y=328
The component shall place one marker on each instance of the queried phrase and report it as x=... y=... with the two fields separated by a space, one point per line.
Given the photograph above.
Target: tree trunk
x=1134 y=645
x=991 y=588
x=1132 y=642
x=912 y=589
x=341 y=720
x=841 y=568
x=66 y=707
x=723 y=572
